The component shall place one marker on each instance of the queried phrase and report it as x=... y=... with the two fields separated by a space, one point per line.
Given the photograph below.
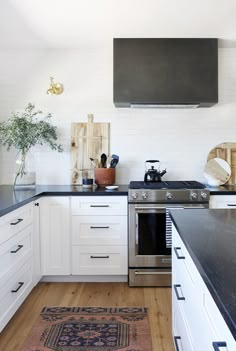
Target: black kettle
x=153 y=175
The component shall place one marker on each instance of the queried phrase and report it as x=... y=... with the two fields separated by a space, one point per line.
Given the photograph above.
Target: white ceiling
x=79 y=23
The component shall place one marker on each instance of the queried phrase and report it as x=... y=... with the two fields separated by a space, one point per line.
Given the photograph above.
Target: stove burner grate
x=183 y=184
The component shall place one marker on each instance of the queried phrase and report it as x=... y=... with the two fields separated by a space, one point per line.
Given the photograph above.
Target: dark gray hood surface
x=165 y=73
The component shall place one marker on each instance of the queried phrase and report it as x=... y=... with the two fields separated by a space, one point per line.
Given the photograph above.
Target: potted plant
x=22 y=131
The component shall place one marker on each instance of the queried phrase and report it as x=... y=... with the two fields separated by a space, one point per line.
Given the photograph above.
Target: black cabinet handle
x=94 y=227
x=36 y=204
x=177 y=254
x=218 y=344
x=99 y=206
x=19 y=287
x=99 y=256
x=18 y=249
x=18 y=221
x=176 y=338
x=176 y=286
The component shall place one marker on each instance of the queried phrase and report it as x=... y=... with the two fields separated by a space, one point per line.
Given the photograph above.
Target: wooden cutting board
x=226 y=151
x=88 y=140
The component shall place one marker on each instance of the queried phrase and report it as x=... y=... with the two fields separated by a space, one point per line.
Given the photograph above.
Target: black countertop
x=222 y=190
x=210 y=237
x=10 y=199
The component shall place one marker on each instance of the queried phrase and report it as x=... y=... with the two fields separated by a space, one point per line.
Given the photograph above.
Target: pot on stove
x=152 y=174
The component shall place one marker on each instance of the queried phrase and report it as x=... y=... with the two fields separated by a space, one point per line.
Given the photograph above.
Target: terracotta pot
x=104 y=176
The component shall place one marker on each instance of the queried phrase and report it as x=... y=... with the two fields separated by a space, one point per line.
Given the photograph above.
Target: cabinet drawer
x=99 y=230
x=222 y=201
x=13 y=222
x=212 y=316
x=99 y=260
x=180 y=330
x=14 y=251
x=99 y=205
x=13 y=293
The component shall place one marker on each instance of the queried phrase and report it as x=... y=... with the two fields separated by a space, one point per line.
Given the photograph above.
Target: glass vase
x=24 y=176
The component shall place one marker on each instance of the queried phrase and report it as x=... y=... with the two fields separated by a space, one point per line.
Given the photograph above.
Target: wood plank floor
x=91 y=294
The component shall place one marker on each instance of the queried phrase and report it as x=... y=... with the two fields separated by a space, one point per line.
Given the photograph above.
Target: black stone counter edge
x=92 y=192
x=18 y=205
x=222 y=192
x=230 y=323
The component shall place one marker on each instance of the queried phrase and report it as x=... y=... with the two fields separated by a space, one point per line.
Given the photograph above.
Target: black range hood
x=165 y=73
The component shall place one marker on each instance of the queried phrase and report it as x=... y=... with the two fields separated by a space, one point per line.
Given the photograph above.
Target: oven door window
x=152 y=233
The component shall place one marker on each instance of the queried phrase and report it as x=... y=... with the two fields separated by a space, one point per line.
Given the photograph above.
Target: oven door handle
x=150 y=273
x=181 y=207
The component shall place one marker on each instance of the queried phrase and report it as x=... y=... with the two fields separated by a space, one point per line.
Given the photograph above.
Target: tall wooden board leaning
x=88 y=140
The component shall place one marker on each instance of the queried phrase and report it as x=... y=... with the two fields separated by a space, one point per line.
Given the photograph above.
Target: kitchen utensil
x=114 y=163
x=217 y=171
x=226 y=151
x=115 y=156
x=103 y=160
x=109 y=158
x=152 y=174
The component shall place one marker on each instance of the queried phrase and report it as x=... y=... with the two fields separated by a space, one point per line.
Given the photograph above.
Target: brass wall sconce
x=55 y=88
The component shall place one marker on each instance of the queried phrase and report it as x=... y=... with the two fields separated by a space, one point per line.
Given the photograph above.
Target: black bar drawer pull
x=19 y=287
x=99 y=206
x=99 y=256
x=176 y=338
x=176 y=286
x=17 y=221
x=18 y=249
x=94 y=227
x=233 y=205
x=177 y=254
x=218 y=344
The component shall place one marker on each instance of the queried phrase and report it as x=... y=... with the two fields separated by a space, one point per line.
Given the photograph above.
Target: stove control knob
x=144 y=196
x=168 y=195
x=203 y=195
x=134 y=195
x=193 y=196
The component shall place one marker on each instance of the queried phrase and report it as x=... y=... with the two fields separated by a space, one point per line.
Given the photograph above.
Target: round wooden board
x=226 y=151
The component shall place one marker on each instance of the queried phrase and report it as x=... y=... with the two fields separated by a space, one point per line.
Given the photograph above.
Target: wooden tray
x=226 y=151
x=88 y=140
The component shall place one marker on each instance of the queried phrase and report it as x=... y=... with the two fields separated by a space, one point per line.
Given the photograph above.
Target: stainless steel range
x=150 y=234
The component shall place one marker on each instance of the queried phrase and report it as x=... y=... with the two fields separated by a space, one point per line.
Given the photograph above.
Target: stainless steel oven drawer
x=150 y=277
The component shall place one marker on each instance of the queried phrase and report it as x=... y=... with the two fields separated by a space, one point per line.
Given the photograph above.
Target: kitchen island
x=209 y=237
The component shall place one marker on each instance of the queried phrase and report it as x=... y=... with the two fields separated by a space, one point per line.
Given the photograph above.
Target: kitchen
x=180 y=139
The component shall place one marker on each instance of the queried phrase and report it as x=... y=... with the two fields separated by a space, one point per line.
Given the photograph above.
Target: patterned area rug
x=90 y=329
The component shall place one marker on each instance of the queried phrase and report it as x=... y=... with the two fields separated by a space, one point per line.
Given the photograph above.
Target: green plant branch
x=27 y=129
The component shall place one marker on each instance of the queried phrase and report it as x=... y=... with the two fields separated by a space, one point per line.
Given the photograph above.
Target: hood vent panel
x=165 y=73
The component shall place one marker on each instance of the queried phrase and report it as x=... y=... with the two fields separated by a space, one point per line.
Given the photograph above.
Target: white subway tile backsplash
x=180 y=139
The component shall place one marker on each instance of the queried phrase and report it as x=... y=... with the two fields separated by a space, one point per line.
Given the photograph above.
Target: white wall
x=180 y=139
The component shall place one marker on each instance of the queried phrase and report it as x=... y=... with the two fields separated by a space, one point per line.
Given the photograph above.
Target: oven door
x=149 y=236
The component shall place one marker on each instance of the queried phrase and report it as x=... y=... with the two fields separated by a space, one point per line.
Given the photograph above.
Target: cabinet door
x=55 y=235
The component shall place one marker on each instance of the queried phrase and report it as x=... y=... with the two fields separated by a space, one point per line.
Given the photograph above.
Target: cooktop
x=178 y=184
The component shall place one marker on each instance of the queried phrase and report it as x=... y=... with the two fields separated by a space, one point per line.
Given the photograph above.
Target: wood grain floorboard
x=158 y=300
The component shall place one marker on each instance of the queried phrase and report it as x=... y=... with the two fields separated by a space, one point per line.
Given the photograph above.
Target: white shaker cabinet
x=99 y=235
x=16 y=260
x=55 y=235
x=223 y=201
x=197 y=322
